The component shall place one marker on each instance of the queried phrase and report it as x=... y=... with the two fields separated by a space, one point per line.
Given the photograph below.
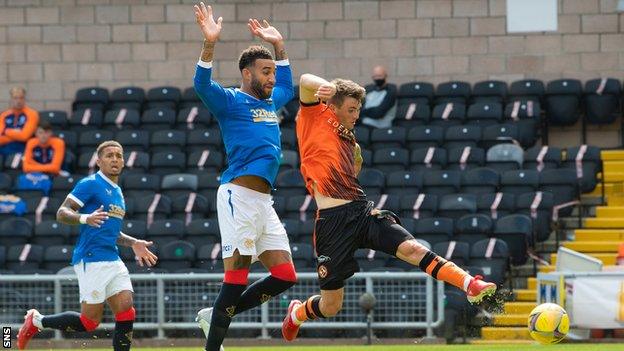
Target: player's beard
x=257 y=88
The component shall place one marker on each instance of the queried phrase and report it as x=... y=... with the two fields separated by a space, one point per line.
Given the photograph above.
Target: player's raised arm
x=313 y=88
x=68 y=214
x=210 y=29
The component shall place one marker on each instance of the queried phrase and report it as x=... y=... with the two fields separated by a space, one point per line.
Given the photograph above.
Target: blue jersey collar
x=107 y=179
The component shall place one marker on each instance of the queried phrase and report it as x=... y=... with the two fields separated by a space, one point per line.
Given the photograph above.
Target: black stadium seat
x=489 y=91
x=492 y=256
x=167 y=140
x=191 y=206
x=418 y=205
x=48 y=233
x=457 y=205
x=454 y=91
x=194 y=117
x=542 y=157
x=484 y=113
x=563 y=184
x=434 y=230
x=412 y=113
x=425 y=136
x=471 y=228
x=167 y=162
x=516 y=230
x=57 y=118
x=602 y=100
x=69 y=137
x=162 y=231
x=22 y=257
x=127 y=97
x=429 y=158
x=177 y=184
x=163 y=97
x=392 y=137
x=403 y=182
x=587 y=163
x=480 y=180
x=15 y=231
x=456 y=251
x=290 y=183
x=86 y=119
x=158 y=118
x=94 y=98
x=57 y=256
x=372 y=180
x=136 y=162
x=530 y=89
x=448 y=113
x=177 y=254
x=202 y=231
x=562 y=102
x=133 y=140
x=539 y=207
x=519 y=181
x=465 y=158
x=496 y=205
x=89 y=140
x=462 y=136
x=417 y=92
x=190 y=98
x=122 y=118
x=441 y=182
x=391 y=159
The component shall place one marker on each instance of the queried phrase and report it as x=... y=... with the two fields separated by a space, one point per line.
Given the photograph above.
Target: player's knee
x=285 y=272
x=88 y=323
x=127 y=315
x=413 y=250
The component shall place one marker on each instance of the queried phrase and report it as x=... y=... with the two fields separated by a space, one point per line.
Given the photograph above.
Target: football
x=548 y=323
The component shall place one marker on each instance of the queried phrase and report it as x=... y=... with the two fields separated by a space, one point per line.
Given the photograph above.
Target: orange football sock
x=441 y=269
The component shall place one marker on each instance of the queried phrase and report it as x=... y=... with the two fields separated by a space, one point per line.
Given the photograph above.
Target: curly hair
x=347 y=88
x=251 y=54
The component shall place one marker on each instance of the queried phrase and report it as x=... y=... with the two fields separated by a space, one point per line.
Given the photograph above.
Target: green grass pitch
x=417 y=347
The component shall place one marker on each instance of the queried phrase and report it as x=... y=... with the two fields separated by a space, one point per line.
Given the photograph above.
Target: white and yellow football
x=548 y=323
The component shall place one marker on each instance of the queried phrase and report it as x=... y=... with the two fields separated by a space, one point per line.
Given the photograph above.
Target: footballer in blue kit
x=97 y=204
x=249 y=226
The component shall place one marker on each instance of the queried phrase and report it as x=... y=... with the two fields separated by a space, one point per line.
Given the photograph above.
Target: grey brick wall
x=54 y=47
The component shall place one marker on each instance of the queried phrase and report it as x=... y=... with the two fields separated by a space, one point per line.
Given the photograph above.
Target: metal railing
x=170 y=301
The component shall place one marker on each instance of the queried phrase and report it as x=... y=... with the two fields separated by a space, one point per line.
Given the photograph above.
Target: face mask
x=379 y=82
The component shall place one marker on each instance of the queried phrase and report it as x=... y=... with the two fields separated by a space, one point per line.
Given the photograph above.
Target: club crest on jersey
x=263 y=115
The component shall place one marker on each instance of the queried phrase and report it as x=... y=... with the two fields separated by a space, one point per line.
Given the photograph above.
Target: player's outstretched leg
x=66 y=321
x=476 y=289
x=282 y=277
x=326 y=305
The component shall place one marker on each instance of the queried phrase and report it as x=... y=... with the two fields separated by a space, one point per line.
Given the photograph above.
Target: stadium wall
x=54 y=47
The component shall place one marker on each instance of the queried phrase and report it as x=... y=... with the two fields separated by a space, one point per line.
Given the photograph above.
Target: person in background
x=380 y=106
x=44 y=153
x=17 y=124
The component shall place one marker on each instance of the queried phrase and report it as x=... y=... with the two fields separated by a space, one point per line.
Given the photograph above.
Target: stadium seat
x=178 y=184
x=441 y=182
x=202 y=139
x=496 y=205
x=542 y=157
x=562 y=102
x=434 y=230
x=200 y=232
x=489 y=91
x=403 y=182
x=190 y=99
x=430 y=158
x=465 y=158
x=306 y=231
x=6 y=182
x=504 y=133
x=370 y=259
x=539 y=207
x=456 y=251
x=57 y=118
x=587 y=163
x=121 y=118
x=425 y=136
x=504 y=157
x=193 y=118
x=517 y=231
x=293 y=228
x=411 y=113
x=177 y=254
x=15 y=231
x=302 y=255
x=492 y=256
x=167 y=141
x=372 y=181
x=69 y=137
x=457 y=205
x=23 y=257
x=204 y=161
x=448 y=114
x=137 y=162
x=480 y=180
x=418 y=92
x=289 y=159
x=563 y=184
x=49 y=233
x=138 y=185
x=94 y=98
x=602 y=100
x=57 y=256
x=289 y=112
x=133 y=140
x=288 y=138
x=162 y=231
x=152 y=207
x=386 y=202
x=13 y=165
x=208 y=184
x=163 y=97
x=453 y=91
x=135 y=228
x=391 y=159
x=484 y=113
x=393 y=137
x=290 y=183
x=525 y=114
x=529 y=89
x=520 y=181
x=418 y=205
x=168 y=162
x=86 y=119
x=89 y=140
x=158 y=118
x=128 y=98
x=190 y=206
x=471 y=228
x=300 y=207
x=462 y=136
x=209 y=258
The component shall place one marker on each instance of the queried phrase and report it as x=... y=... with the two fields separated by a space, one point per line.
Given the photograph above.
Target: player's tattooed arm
x=125 y=240
x=140 y=248
x=270 y=34
x=210 y=29
x=313 y=88
x=68 y=214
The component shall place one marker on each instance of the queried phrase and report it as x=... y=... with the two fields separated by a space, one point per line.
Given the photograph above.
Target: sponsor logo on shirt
x=116 y=211
x=263 y=115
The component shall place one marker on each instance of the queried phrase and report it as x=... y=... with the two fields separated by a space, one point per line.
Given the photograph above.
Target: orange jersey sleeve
x=3 y=138
x=32 y=121
x=54 y=167
x=328 y=153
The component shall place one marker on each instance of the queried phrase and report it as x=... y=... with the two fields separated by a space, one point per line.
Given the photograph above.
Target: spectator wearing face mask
x=380 y=107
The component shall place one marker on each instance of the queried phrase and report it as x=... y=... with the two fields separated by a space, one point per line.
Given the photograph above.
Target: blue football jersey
x=249 y=126
x=98 y=244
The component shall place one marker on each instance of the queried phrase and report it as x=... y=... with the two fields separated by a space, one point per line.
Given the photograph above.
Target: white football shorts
x=98 y=281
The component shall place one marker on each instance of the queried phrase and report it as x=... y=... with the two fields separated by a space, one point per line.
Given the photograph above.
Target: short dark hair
x=347 y=88
x=106 y=144
x=251 y=54
x=45 y=125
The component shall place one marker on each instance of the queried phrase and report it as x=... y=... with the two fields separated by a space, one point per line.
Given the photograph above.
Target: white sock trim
x=293 y=316
x=467 y=281
x=37 y=317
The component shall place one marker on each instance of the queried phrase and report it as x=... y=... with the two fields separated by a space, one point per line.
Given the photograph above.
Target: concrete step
x=612 y=155
x=610 y=212
x=516 y=320
x=547 y=269
x=507 y=333
x=532 y=283
x=604 y=223
x=599 y=235
x=608 y=259
x=593 y=246
x=523 y=308
x=527 y=295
